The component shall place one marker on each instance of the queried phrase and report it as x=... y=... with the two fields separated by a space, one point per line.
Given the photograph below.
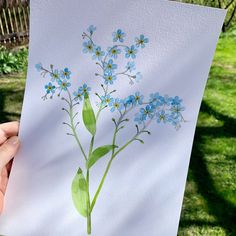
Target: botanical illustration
x=152 y=108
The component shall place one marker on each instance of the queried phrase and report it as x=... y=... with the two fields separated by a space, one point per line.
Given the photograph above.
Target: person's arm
x=9 y=144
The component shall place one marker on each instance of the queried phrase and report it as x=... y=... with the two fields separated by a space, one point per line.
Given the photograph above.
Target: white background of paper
x=143 y=192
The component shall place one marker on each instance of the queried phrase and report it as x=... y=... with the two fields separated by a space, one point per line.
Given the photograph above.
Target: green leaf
x=98 y=153
x=79 y=193
x=88 y=115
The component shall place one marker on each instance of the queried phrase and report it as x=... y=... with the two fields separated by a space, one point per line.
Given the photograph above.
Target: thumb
x=8 y=150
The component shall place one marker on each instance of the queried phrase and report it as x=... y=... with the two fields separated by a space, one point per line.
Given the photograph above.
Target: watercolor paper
x=111 y=103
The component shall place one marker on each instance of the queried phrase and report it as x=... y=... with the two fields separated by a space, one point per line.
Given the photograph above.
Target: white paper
x=143 y=192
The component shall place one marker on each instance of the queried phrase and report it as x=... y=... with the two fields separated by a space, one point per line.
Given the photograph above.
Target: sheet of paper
x=156 y=55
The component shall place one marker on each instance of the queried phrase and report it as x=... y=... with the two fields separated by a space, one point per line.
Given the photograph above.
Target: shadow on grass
x=224 y=211
x=8 y=99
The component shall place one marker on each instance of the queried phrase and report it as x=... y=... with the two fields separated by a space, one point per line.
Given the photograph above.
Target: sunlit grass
x=209 y=206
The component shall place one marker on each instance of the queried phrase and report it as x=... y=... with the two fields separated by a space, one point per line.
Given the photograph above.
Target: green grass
x=209 y=206
x=11 y=96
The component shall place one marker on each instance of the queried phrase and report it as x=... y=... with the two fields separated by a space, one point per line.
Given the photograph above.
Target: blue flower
x=88 y=47
x=176 y=100
x=139 y=118
x=117 y=104
x=162 y=116
x=176 y=111
x=130 y=100
x=175 y=123
x=38 y=66
x=50 y=88
x=130 y=66
x=166 y=100
x=156 y=99
x=138 y=77
x=118 y=36
x=110 y=66
x=141 y=41
x=148 y=111
x=138 y=98
x=64 y=84
x=78 y=95
x=85 y=89
x=55 y=75
x=65 y=74
x=91 y=29
x=114 y=51
x=107 y=100
x=109 y=78
x=131 y=52
x=98 y=53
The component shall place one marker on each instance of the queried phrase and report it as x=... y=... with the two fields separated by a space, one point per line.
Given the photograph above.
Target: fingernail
x=13 y=141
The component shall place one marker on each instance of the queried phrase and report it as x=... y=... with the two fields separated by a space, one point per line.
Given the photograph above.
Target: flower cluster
x=60 y=79
x=163 y=109
x=105 y=58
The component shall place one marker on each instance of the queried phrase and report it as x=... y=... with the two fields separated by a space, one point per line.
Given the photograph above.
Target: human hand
x=9 y=144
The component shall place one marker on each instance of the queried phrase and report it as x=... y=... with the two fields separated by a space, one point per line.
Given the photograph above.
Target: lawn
x=209 y=206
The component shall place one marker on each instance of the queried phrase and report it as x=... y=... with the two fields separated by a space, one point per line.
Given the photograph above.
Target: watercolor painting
x=160 y=109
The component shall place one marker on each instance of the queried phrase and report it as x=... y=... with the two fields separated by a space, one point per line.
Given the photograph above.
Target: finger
x=7 y=130
x=1 y=201
x=3 y=180
x=8 y=150
x=8 y=167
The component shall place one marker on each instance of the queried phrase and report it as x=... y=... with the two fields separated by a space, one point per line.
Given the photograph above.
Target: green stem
x=88 y=206
x=73 y=126
x=100 y=185
x=89 y=225
x=114 y=154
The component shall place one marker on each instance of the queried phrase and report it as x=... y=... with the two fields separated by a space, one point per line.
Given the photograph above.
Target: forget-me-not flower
x=64 y=84
x=65 y=74
x=85 y=89
x=138 y=98
x=109 y=78
x=38 y=66
x=138 y=77
x=110 y=66
x=162 y=116
x=176 y=110
x=141 y=41
x=55 y=75
x=176 y=100
x=148 y=111
x=107 y=100
x=117 y=104
x=98 y=53
x=139 y=118
x=131 y=52
x=88 y=47
x=50 y=88
x=78 y=95
x=130 y=100
x=130 y=66
x=91 y=29
x=118 y=36
x=114 y=51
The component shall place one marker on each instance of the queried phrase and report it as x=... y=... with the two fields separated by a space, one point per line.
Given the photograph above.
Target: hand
x=9 y=144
